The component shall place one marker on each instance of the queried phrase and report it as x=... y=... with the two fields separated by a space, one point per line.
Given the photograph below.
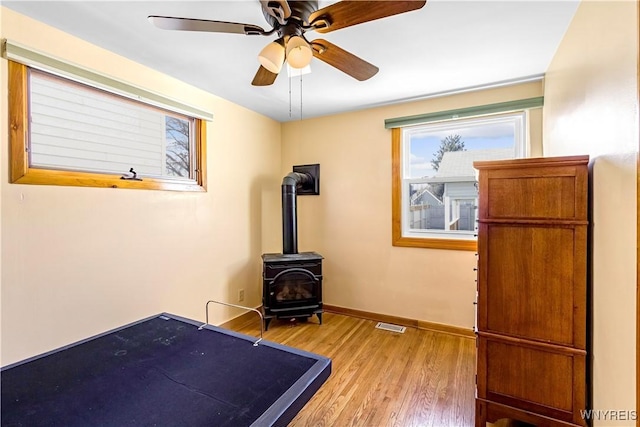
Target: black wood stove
x=292 y=281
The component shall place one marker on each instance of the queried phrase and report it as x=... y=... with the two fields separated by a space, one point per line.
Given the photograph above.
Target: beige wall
x=350 y=222
x=79 y=261
x=2 y=117
x=591 y=108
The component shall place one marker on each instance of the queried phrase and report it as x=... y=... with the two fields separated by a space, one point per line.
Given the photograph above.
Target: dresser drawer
x=543 y=379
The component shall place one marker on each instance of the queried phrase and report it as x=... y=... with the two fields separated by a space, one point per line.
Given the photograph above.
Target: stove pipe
x=290 y=184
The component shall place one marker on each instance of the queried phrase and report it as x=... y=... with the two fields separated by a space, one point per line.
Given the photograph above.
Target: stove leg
x=319 y=317
x=267 y=320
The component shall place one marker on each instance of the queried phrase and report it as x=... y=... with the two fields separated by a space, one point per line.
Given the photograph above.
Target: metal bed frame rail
x=255 y=344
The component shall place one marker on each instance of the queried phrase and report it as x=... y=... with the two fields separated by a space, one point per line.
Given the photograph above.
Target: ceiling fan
x=290 y=20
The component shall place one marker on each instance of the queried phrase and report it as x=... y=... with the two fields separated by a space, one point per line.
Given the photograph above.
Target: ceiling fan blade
x=279 y=9
x=188 y=24
x=344 y=61
x=264 y=77
x=347 y=13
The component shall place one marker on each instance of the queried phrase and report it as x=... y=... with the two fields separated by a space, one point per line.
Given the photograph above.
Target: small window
x=435 y=188
x=73 y=134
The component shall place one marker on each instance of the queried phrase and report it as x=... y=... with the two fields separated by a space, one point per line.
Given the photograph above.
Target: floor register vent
x=391 y=327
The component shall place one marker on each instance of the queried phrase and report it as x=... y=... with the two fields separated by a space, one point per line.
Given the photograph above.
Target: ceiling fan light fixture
x=272 y=57
x=299 y=52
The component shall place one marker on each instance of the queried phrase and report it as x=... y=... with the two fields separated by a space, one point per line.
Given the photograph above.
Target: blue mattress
x=162 y=371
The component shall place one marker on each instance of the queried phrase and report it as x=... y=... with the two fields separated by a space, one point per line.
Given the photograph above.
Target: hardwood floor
x=380 y=378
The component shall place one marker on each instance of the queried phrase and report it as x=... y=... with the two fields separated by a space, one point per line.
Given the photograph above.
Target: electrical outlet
x=241 y=295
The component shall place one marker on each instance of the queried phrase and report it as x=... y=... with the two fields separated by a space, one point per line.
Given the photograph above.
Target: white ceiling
x=447 y=45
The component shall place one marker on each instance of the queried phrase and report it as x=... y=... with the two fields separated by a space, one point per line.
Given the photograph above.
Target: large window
x=67 y=133
x=435 y=190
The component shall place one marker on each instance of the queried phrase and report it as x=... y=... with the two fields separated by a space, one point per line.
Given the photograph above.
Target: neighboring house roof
x=426 y=197
x=457 y=166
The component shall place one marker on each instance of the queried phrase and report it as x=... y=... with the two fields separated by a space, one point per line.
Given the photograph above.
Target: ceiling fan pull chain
x=289 y=97
x=300 y=96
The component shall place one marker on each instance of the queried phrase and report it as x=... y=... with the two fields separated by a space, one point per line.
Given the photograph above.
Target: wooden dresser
x=532 y=291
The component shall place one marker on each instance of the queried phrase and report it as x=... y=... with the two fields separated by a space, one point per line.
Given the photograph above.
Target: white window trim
x=77 y=98
x=522 y=149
